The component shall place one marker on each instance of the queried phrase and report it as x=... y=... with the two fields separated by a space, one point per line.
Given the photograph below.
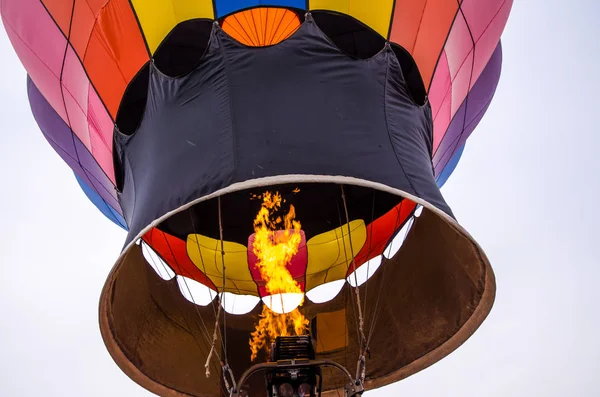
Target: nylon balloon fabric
x=83 y=55
x=184 y=120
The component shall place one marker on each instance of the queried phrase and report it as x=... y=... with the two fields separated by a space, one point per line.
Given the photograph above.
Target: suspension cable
x=369 y=261
x=217 y=315
x=224 y=279
x=361 y=365
x=203 y=264
x=226 y=369
x=352 y=297
x=214 y=341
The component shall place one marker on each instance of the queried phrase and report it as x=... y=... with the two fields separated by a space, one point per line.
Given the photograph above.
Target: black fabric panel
x=131 y=109
x=411 y=73
x=411 y=137
x=182 y=49
x=348 y=34
x=300 y=107
x=358 y=40
x=184 y=146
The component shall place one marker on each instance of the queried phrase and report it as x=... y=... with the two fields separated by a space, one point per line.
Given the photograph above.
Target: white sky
x=526 y=188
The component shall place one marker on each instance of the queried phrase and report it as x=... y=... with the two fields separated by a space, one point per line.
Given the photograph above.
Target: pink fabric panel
x=487 y=40
x=461 y=83
x=479 y=13
x=101 y=133
x=484 y=23
x=441 y=86
x=88 y=116
x=458 y=45
x=103 y=157
x=296 y=266
x=484 y=20
x=39 y=44
x=459 y=51
x=75 y=88
x=441 y=123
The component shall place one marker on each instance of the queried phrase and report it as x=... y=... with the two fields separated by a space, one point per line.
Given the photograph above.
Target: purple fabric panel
x=100 y=182
x=483 y=91
x=52 y=125
x=441 y=161
x=475 y=106
x=71 y=162
x=69 y=147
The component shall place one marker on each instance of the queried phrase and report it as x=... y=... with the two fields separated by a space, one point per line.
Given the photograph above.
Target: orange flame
x=274 y=249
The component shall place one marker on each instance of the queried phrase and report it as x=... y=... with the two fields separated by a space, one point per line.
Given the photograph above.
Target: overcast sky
x=526 y=188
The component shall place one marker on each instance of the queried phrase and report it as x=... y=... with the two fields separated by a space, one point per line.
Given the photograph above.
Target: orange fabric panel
x=60 y=10
x=260 y=27
x=84 y=19
x=174 y=251
x=381 y=230
x=84 y=14
x=115 y=52
x=421 y=27
x=406 y=22
x=332 y=331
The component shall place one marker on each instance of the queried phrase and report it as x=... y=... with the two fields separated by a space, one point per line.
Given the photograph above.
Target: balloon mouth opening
x=423 y=294
x=346 y=232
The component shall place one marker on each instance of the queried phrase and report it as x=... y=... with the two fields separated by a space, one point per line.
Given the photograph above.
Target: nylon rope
x=352 y=298
x=380 y=289
x=204 y=328
x=203 y=265
x=224 y=364
x=368 y=255
x=361 y=322
x=224 y=279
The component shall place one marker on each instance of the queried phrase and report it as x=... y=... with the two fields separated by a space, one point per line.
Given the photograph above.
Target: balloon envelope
x=175 y=116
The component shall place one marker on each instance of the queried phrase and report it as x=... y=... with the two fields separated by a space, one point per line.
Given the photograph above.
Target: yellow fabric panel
x=205 y=253
x=377 y=14
x=330 y=253
x=332 y=331
x=159 y=17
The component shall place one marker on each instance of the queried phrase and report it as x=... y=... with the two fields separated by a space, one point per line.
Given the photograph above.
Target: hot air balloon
x=277 y=167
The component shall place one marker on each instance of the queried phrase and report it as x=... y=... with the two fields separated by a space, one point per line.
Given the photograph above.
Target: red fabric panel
x=296 y=267
x=173 y=250
x=421 y=27
x=381 y=230
x=60 y=10
x=84 y=18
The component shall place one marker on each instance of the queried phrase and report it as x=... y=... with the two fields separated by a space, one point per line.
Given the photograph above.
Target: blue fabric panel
x=225 y=7
x=106 y=209
x=450 y=166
